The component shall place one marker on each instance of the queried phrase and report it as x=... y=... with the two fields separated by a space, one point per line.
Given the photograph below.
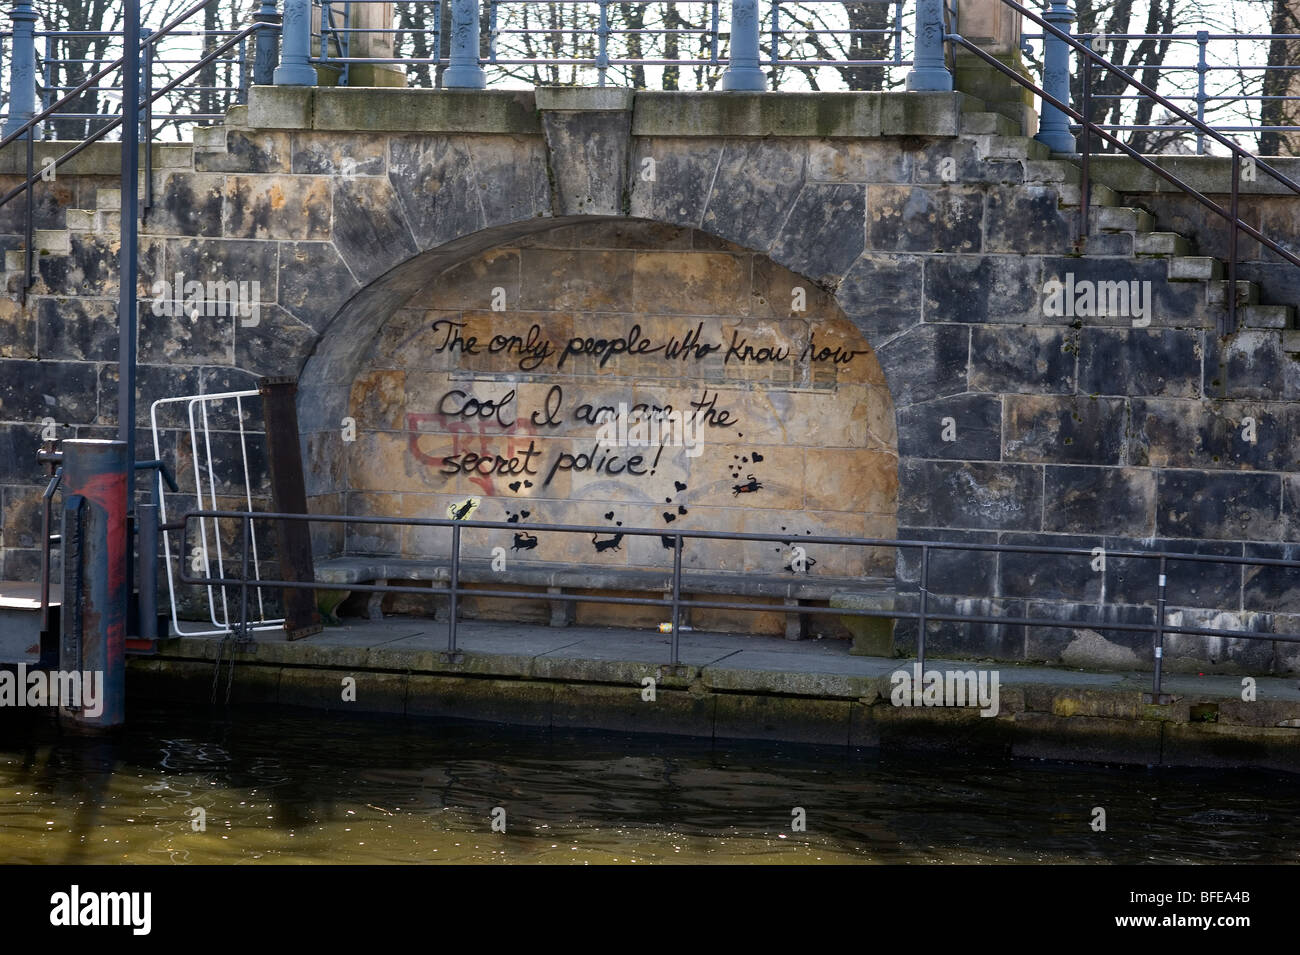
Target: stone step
x=94 y=220
x=175 y=156
x=52 y=241
x=1216 y=292
x=210 y=138
x=1267 y=316
x=988 y=124
x=1194 y=268
x=80 y=220
x=1099 y=195
x=1050 y=170
x=1010 y=147
x=1160 y=243
x=1123 y=219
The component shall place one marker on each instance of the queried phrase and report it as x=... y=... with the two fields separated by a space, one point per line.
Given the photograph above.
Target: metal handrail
x=1201 y=68
x=677 y=603
x=27 y=130
x=1089 y=126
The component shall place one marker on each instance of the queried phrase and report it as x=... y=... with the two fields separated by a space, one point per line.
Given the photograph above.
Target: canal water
x=290 y=786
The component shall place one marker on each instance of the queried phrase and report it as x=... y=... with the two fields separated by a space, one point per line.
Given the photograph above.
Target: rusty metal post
x=95 y=558
x=289 y=496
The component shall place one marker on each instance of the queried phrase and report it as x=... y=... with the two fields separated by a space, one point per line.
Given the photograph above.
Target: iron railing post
x=148 y=573
x=1158 y=637
x=48 y=77
x=1235 y=212
x=1085 y=147
x=245 y=526
x=29 y=225
x=925 y=594
x=453 y=604
x=743 y=74
x=1202 y=68
x=463 y=70
x=677 y=598
x=22 y=66
x=295 y=67
x=929 y=71
x=602 y=40
x=1054 y=125
x=265 y=48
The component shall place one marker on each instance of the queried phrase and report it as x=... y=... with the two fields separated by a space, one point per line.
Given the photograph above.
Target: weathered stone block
x=1063 y=429
x=1218 y=506
x=964 y=494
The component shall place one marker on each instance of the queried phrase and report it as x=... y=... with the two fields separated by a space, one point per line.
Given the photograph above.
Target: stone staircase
x=998 y=138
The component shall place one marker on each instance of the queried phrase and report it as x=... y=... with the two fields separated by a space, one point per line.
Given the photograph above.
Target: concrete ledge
x=1042 y=713
x=97 y=159
x=831 y=115
x=360 y=109
x=584 y=98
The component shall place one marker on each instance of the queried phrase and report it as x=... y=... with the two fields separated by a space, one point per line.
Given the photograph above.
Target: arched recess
x=478 y=370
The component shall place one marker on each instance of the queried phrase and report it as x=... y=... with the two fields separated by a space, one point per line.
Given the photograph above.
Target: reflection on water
x=287 y=786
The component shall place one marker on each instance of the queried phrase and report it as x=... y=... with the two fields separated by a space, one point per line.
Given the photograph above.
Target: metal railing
x=1193 y=82
x=1054 y=130
x=209 y=548
x=676 y=603
x=677 y=44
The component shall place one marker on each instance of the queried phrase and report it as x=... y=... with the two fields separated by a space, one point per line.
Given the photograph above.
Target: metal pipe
x=453 y=603
x=1158 y=637
x=921 y=618
x=1202 y=42
x=128 y=261
x=743 y=74
x=147 y=524
x=677 y=597
x=1085 y=184
x=1232 y=248
x=94 y=521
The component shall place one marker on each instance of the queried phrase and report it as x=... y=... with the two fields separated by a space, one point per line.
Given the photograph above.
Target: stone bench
x=870 y=634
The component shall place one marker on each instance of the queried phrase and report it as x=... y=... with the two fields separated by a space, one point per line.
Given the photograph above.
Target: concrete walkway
x=735 y=686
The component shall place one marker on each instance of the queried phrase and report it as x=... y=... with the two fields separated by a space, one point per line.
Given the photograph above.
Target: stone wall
x=938 y=238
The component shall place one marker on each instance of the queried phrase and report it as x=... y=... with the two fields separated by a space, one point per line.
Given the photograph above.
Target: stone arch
x=348 y=375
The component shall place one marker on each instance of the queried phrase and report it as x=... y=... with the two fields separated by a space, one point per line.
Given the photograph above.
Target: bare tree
x=1278 y=83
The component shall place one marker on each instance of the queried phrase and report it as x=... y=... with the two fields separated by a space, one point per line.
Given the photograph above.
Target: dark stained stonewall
x=924 y=218
x=1064 y=429
x=972 y=495
x=1033 y=360
x=1228 y=506
x=825 y=231
x=973 y=434
x=1134 y=361
x=984 y=289
x=1092 y=500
